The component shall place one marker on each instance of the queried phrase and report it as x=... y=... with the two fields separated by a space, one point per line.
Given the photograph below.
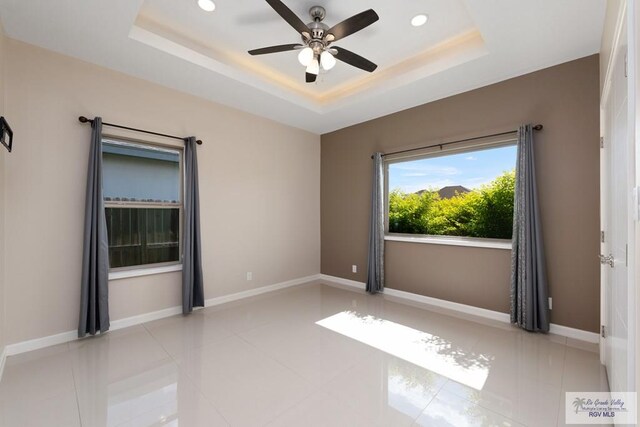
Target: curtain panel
x=94 y=283
x=529 y=289
x=375 y=278
x=192 y=280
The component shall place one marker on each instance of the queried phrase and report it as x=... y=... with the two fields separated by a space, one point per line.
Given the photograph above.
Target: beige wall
x=3 y=155
x=259 y=190
x=565 y=99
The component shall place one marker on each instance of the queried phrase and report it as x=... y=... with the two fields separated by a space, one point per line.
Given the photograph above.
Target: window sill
x=147 y=271
x=453 y=241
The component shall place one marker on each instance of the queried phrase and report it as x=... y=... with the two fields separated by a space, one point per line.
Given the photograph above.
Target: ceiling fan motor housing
x=318 y=29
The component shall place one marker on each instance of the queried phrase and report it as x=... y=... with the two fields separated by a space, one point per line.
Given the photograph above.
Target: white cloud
x=471 y=158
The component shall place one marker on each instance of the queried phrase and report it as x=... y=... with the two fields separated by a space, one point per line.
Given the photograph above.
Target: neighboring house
x=452 y=191
x=449 y=191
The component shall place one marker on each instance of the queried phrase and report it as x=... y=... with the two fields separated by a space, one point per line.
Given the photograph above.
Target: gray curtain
x=375 y=279
x=529 y=294
x=94 y=290
x=192 y=286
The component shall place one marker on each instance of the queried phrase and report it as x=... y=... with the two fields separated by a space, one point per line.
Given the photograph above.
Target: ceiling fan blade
x=354 y=59
x=275 y=49
x=288 y=15
x=352 y=25
x=310 y=78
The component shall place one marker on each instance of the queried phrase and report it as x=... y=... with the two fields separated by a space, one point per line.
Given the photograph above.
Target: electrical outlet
x=249 y=275
x=354 y=268
x=550 y=303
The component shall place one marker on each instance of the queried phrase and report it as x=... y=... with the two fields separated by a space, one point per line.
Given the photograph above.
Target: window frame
x=443 y=151
x=160 y=267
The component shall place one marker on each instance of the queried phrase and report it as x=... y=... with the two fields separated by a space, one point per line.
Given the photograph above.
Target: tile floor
x=313 y=355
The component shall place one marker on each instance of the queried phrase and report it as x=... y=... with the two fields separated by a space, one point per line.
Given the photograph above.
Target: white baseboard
x=3 y=359
x=346 y=282
x=48 y=341
x=259 y=291
x=38 y=343
x=577 y=334
x=450 y=305
x=565 y=331
x=144 y=318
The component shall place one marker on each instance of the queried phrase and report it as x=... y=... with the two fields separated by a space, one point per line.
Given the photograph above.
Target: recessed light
x=207 y=5
x=419 y=20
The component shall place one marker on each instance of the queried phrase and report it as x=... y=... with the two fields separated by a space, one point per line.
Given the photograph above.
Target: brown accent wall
x=565 y=98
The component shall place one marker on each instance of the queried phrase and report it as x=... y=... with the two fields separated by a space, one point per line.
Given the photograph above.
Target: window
x=464 y=193
x=143 y=200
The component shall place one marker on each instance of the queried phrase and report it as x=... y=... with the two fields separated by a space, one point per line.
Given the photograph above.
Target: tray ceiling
x=465 y=44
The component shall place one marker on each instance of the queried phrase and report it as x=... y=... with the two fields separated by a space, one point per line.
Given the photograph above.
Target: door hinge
x=602 y=332
x=602 y=142
x=602 y=236
x=626 y=65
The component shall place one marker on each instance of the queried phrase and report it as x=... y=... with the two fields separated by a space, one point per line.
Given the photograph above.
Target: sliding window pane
x=139 y=236
x=137 y=174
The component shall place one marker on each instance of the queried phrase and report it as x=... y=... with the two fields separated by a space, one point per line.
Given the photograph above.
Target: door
x=616 y=219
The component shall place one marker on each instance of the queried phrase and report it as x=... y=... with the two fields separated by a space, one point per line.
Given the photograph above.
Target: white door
x=616 y=220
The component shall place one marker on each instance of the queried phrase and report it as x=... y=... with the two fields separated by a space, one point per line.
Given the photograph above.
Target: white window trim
x=472 y=242
x=145 y=271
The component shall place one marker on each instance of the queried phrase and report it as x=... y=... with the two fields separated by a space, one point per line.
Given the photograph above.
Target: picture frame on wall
x=6 y=134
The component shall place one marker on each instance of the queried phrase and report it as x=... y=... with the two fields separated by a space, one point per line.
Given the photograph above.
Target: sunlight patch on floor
x=420 y=348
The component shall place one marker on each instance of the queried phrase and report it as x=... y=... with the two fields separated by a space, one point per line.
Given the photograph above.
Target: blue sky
x=470 y=169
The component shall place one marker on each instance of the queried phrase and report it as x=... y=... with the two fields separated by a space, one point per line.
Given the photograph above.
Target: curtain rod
x=83 y=119
x=536 y=127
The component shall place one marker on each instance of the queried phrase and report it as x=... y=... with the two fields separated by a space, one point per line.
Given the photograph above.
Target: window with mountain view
x=468 y=194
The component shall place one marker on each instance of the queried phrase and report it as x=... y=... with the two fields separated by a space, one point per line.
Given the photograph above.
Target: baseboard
x=51 y=340
x=3 y=359
x=576 y=334
x=346 y=282
x=259 y=291
x=144 y=318
x=38 y=343
x=449 y=305
x=565 y=331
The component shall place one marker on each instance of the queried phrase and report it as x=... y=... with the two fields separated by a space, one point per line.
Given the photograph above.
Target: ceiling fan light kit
x=317 y=38
x=306 y=56
x=313 y=67
x=327 y=60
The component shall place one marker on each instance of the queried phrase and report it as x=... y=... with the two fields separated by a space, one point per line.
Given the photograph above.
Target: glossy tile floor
x=313 y=355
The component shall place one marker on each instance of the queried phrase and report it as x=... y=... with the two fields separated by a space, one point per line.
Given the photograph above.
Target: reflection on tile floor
x=313 y=355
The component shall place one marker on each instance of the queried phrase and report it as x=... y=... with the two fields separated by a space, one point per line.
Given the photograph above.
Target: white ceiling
x=464 y=45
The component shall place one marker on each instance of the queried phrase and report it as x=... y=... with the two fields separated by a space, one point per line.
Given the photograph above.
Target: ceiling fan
x=315 y=50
